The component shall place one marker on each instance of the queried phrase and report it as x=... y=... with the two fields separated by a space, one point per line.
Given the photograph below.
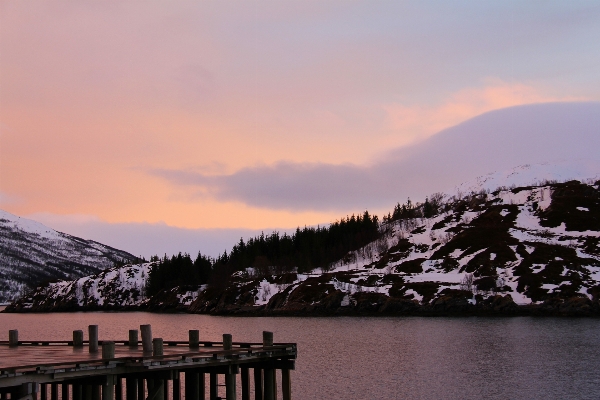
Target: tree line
x=304 y=250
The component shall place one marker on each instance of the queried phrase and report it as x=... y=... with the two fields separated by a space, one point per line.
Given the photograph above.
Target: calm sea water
x=387 y=358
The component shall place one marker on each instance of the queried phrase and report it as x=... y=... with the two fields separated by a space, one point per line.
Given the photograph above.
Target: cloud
x=496 y=140
x=417 y=122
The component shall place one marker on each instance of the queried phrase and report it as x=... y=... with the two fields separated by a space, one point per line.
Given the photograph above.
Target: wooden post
x=166 y=389
x=13 y=338
x=194 y=338
x=77 y=391
x=214 y=388
x=78 y=338
x=146 y=338
x=131 y=388
x=65 y=391
x=227 y=341
x=108 y=387
x=202 y=385
x=230 y=391
x=54 y=391
x=141 y=392
x=108 y=350
x=192 y=387
x=93 y=338
x=286 y=384
x=157 y=347
x=269 y=374
x=87 y=392
x=258 y=384
x=96 y=392
x=133 y=338
x=118 y=388
x=267 y=339
x=176 y=386
x=245 y=383
x=43 y=391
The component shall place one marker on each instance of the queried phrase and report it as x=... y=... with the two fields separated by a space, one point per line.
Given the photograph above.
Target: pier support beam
x=286 y=384
x=108 y=388
x=27 y=391
x=245 y=383
x=176 y=386
x=258 y=384
x=141 y=391
x=93 y=338
x=269 y=393
x=131 y=387
x=65 y=391
x=214 y=386
x=192 y=385
x=77 y=391
x=54 y=391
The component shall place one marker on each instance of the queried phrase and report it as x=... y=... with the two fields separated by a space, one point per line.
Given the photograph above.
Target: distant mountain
x=32 y=254
x=516 y=249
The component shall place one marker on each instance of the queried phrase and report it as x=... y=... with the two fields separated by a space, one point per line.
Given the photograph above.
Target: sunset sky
x=215 y=119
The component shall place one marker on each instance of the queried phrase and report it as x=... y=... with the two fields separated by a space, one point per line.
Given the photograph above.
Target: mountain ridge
x=518 y=250
x=32 y=253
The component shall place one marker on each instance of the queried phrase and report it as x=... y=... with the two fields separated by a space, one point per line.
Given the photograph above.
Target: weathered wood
x=258 y=384
x=286 y=384
x=93 y=338
x=269 y=384
x=78 y=338
x=13 y=337
x=227 y=341
x=176 y=386
x=165 y=389
x=267 y=338
x=146 y=338
x=202 y=385
x=77 y=391
x=43 y=391
x=54 y=391
x=192 y=386
x=118 y=388
x=141 y=390
x=108 y=350
x=194 y=336
x=65 y=391
x=131 y=387
x=213 y=386
x=108 y=387
x=230 y=389
x=133 y=338
x=157 y=347
x=245 y=375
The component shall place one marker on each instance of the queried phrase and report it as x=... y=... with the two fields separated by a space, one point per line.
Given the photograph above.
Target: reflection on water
x=386 y=358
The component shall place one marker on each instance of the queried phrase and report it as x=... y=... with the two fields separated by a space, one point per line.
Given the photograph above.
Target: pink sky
x=96 y=97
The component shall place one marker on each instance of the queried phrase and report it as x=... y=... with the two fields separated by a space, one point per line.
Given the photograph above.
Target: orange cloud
x=417 y=122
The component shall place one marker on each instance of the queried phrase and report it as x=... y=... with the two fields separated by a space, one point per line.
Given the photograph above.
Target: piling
x=153 y=375
x=78 y=338
x=93 y=338
x=157 y=347
x=108 y=350
x=194 y=336
x=13 y=338
x=133 y=338
x=146 y=338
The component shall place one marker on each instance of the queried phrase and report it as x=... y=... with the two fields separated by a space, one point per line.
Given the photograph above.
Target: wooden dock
x=150 y=369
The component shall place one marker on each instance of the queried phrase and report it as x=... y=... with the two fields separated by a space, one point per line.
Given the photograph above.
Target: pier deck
x=149 y=369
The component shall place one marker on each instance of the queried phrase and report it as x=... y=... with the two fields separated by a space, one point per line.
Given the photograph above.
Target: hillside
x=514 y=250
x=32 y=254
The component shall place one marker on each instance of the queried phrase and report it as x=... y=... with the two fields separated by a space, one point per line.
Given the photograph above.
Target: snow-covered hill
x=32 y=253
x=518 y=248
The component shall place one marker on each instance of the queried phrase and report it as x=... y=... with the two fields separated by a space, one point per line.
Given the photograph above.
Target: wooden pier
x=146 y=369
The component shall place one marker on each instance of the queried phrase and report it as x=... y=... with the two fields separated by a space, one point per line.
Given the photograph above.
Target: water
x=387 y=358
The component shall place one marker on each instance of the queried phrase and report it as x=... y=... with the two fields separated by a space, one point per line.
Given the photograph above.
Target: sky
x=157 y=127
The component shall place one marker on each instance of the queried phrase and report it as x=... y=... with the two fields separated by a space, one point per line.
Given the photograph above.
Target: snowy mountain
x=515 y=249
x=32 y=253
